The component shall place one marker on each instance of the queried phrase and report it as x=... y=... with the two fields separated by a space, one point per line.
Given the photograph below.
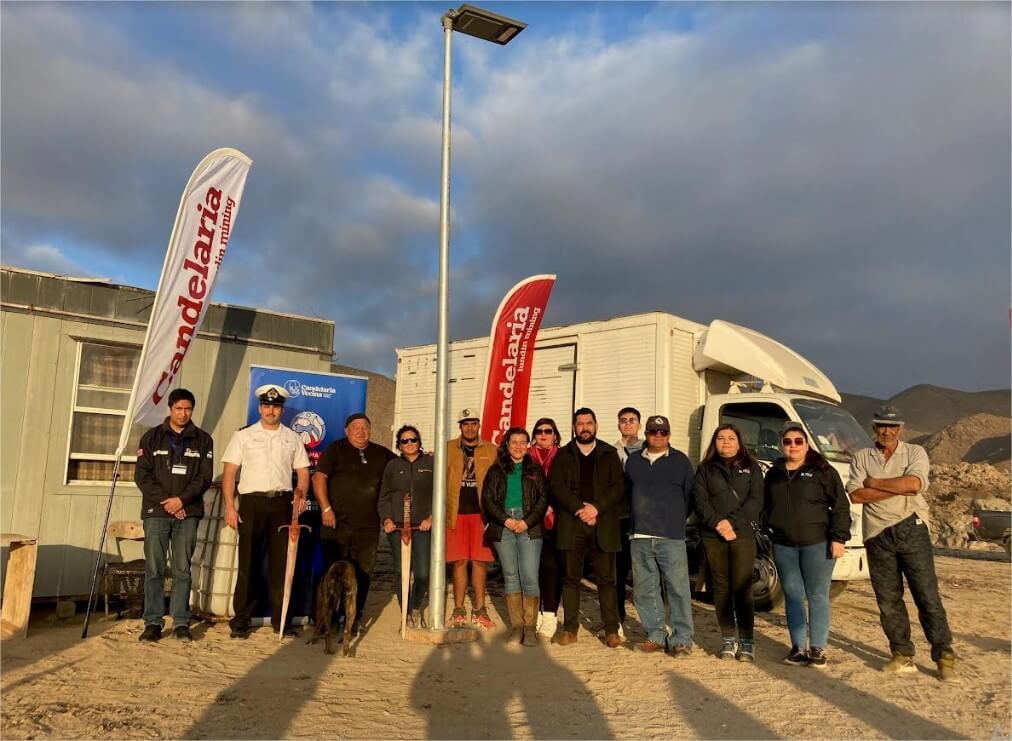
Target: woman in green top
x=514 y=499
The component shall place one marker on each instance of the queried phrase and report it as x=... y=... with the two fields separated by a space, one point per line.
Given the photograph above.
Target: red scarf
x=544 y=459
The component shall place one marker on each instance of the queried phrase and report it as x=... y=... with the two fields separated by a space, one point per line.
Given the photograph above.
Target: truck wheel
x=767 y=592
x=837 y=588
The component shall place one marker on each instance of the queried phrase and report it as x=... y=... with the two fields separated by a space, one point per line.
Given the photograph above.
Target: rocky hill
x=979 y=438
x=956 y=488
x=930 y=408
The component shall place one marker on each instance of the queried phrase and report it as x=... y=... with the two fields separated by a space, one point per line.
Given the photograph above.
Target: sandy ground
x=110 y=686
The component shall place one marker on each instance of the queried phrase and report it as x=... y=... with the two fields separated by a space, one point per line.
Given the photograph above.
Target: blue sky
x=835 y=175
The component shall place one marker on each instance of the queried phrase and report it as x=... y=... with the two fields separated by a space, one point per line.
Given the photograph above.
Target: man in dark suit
x=588 y=488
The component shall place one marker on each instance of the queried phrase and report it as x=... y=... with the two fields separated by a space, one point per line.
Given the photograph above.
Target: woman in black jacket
x=409 y=473
x=809 y=514
x=729 y=497
x=514 y=499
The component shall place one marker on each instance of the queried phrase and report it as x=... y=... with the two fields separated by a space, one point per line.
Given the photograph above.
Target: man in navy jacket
x=660 y=501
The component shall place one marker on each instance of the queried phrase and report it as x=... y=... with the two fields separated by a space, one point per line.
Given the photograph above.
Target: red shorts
x=466 y=541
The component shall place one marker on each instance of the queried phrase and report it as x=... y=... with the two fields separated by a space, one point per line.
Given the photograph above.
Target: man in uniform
x=174 y=469
x=888 y=479
x=268 y=452
x=468 y=459
x=346 y=484
x=588 y=490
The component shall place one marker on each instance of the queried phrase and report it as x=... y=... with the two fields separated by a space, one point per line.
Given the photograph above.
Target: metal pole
x=437 y=570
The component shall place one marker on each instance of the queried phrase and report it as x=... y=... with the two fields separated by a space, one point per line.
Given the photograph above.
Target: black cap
x=356 y=415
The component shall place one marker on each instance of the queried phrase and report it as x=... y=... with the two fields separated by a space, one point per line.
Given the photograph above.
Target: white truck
x=696 y=375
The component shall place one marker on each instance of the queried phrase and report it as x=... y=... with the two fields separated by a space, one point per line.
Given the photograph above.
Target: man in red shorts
x=468 y=458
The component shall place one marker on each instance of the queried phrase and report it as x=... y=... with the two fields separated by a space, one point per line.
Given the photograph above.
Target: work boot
x=515 y=607
x=530 y=605
x=151 y=634
x=182 y=633
x=567 y=638
x=947 y=667
x=900 y=664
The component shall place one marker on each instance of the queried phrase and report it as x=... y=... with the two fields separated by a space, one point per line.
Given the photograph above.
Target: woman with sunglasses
x=514 y=500
x=809 y=514
x=410 y=473
x=729 y=497
x=552 y=570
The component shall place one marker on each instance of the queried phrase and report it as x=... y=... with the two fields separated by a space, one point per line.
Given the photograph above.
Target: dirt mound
x=979 y=438
x=954 y=491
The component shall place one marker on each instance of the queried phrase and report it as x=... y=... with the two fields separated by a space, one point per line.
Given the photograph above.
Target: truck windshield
x=836 y=432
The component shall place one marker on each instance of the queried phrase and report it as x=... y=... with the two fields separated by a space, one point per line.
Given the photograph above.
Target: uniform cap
x=271 y=393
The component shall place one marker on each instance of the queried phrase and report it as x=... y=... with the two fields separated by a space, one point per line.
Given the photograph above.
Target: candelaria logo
x=293 y=387
x=311 y=428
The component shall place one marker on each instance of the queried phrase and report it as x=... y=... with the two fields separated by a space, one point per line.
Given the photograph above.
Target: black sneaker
x=151 y=634
x=728 y=648
x=746 y=651
x=182 y=633
x=817 y=657
x=796 y=657
x=240 y=633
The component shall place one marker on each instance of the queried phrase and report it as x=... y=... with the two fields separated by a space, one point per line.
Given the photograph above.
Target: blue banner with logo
x=317 y=404
x=316 y=407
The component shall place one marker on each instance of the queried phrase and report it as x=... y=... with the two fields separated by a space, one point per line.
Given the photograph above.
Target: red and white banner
x=511 y=356
x=204 y=222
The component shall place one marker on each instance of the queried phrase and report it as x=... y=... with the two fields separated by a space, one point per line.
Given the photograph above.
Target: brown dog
x=339 y=583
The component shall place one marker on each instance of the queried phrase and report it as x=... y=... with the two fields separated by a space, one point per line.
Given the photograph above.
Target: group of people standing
x=544 y=508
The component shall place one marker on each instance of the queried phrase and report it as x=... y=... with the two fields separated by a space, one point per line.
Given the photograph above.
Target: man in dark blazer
x=587 y=489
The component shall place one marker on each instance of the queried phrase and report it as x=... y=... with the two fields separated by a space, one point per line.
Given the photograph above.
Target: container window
x=104 y=376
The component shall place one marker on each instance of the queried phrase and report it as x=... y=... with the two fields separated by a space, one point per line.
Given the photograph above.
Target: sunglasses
x=408 y=441
x=662 y=433
x=544 y=431
x=788 y=441
x=628 y=420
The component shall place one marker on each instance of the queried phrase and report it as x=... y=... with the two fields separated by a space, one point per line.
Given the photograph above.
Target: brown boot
x=531 y=620
x=567 y=638
x=515 y=607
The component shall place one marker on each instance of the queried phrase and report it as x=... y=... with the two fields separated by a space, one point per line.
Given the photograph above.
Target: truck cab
x=791 y=389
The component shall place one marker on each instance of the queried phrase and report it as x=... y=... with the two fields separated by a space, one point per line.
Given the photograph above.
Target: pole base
x=442 y=636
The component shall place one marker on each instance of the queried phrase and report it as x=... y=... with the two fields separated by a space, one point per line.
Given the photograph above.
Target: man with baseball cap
x=468 y=459
x=660 y=500
x=267 y=452
x=346 y=484
x=888 y=479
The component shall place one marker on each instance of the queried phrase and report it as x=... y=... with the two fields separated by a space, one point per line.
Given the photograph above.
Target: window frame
x=70 y=456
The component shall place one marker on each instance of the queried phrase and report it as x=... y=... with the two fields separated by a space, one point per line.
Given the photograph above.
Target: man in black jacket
x=587 y=490
x=174 y=469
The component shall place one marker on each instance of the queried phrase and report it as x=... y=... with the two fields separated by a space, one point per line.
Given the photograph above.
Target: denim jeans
x=520 y=557
x=806 y=571
x=421 y=543
x=657 y=560
x=159 y=532
x=904 y=549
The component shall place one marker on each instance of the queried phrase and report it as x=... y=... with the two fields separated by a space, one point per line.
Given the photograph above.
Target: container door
x=553 y=387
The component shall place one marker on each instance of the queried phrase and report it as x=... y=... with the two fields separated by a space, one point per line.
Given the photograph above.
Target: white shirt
x=267 y=457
